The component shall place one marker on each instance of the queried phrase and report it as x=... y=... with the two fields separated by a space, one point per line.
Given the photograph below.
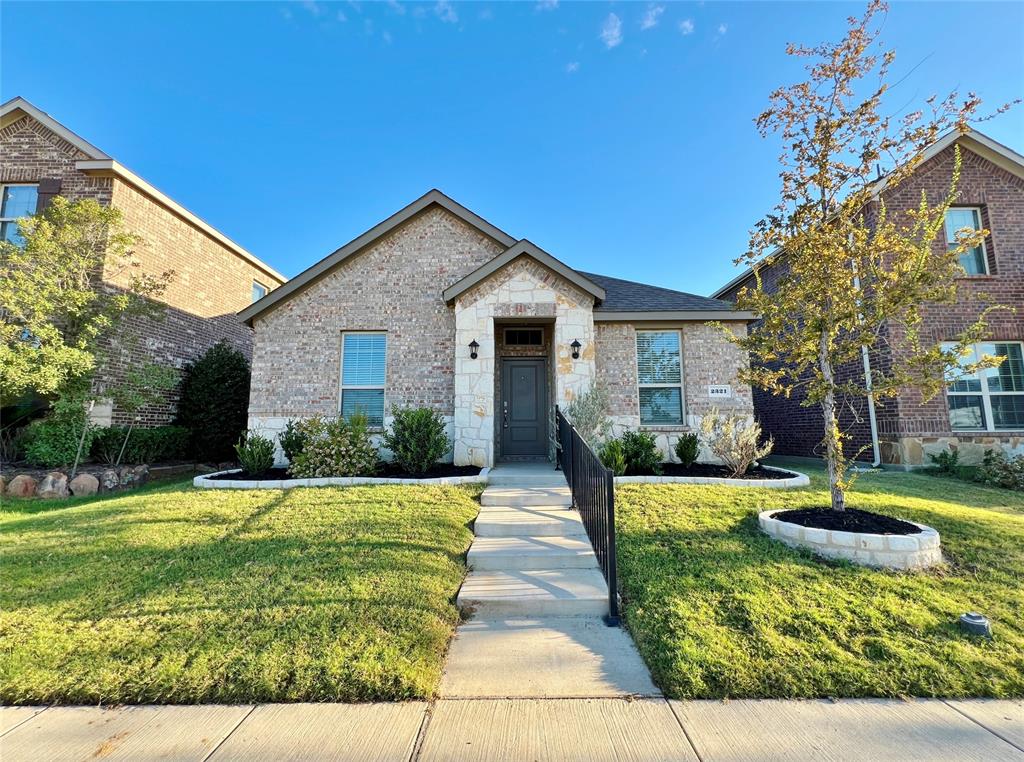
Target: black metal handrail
x=593 y=495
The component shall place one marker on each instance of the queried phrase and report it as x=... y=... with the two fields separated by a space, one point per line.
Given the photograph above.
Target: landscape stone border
x=890 y=551
x=797 y=480
x=329 y=481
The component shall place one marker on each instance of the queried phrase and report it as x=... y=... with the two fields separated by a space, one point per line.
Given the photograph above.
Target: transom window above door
x=363 y=368
x=974 y=261
x=660 y=377
x=991 y=399
x=524 y=337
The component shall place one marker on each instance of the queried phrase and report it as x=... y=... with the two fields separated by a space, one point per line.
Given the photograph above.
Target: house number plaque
x=720 y=390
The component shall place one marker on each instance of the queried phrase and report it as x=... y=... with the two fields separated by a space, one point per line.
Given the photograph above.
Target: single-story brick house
x=437 y=307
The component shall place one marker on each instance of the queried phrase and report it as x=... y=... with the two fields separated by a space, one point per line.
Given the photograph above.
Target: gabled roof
x=308 y=276
x=628 y=300
x=101 y=164
x=520 y=249
x=978 y=142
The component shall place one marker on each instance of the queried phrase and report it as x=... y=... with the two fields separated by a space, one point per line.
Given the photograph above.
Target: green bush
x=255 y=453
x=417 y=439
x=613 y=457
x=214 y=401
x=946 y=462
x=1000 y=471
x=292 y=439
x=640 y=450
x=687 y=449
x=154 y=445
x=335 y=447
x=53 y=440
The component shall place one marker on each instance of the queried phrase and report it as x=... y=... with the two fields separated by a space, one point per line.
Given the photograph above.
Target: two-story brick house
x=214 y=277
x=978 y=412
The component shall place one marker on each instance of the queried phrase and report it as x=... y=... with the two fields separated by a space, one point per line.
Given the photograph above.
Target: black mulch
x=721 y=472
x=850 y=520
x=387 y=470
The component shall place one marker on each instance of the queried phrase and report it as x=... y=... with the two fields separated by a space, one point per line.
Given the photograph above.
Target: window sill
x=670 y=427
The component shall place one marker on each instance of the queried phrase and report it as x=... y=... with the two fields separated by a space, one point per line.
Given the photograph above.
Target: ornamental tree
x=855 y=274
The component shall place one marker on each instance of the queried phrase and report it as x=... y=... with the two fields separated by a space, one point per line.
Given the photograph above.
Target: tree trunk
x=833 y=446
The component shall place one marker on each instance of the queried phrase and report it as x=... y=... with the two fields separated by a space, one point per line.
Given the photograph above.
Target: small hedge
x=214 y=401
x=144 y=446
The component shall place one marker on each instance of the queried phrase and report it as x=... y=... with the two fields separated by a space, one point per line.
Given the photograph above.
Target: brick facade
x=211 y=281
x=908 y=427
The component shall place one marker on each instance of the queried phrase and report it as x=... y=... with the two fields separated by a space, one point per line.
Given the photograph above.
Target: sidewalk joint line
x=230 y=733
x=686 y=733
x=421 y=734
x=982 y=725
x=18 y=725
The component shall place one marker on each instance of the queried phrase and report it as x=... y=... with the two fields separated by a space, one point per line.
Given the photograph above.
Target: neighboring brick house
x=437 y=307
x=976 y=413
x=213 y=276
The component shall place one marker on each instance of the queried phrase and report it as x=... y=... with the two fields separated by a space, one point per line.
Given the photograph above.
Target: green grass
x=718 y=610
x=172 y=594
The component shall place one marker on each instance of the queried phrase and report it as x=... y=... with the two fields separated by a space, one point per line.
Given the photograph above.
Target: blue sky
x=617 y=136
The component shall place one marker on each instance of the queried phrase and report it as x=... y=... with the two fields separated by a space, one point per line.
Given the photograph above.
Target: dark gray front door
x=524 y=420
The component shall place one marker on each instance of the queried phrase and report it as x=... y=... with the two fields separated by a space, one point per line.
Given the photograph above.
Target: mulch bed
x=386 y=470
x=850 y=520
x=721 y=472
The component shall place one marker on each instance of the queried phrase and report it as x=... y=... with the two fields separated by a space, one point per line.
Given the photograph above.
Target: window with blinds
x=991 y=399
x=363 y=362
x=660 y=377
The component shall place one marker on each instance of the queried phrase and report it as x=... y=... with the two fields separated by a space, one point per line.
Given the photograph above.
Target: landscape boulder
x=53 y=485
x=21 y=485
x=84 y=484
x=141 y=474
x=109 y=480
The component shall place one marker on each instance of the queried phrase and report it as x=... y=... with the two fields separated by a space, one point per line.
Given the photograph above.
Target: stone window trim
x=982 y=221
x=342 y=386
x=681 y=385
x=984 y=393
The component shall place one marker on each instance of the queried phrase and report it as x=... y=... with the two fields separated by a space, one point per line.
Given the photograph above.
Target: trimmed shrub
x=417 y=438
x=1000 y=471
x=613 y=457
x=292 y=439
x=735 y=440
x=335 y=447
x=144 y=446
x=687 y=449
x=255 y=453
x=640 y=450
x=53 y=441
x=214 y=401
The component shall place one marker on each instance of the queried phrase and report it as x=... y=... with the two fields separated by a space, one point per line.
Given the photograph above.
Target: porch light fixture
x=473 y=346
x=575 y=349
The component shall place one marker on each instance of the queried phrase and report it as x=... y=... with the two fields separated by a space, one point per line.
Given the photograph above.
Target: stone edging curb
x=892 y=551
x=330 y=481
x=799 y=480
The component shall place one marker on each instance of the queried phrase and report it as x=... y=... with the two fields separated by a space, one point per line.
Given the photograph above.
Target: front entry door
x=524 y=420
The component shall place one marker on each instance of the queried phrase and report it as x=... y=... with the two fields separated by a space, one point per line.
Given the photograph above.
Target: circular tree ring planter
x=889 y=551
x=207 y=482
x=796 y=480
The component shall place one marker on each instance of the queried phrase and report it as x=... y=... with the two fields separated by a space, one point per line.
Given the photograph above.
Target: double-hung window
x=991 y=399
x=258 y=291
x=974 y=261
x=660 y=377
x=16 y=201
x=363 y=361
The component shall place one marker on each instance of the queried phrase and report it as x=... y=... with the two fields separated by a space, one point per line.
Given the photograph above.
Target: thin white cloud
x=486 y=14
x=342 y=17
x=397 y=7
x=572 y=67
x=651 y=17
x=445 y=11
x=386 y=36
x=611 y=31
x=686 y=26
x=723 y=28
x=314 y=8
x=546 y=5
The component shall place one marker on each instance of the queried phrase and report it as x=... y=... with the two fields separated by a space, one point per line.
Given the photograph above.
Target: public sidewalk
x=495 y=730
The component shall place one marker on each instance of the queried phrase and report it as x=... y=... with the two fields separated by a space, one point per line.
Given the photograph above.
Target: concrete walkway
x=536 y=598
x=587 y=730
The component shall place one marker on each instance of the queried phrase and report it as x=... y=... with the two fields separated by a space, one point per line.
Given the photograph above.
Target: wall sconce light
x=575 y=349
x=473 y=347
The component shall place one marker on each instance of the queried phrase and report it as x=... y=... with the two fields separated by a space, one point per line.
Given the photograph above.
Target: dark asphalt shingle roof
x=627 y=296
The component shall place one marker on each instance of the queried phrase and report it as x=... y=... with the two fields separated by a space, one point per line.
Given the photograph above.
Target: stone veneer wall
x=708 y=359
x=522 y=290
x=395 y=286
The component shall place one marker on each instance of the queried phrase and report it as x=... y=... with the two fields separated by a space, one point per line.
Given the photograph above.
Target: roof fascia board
x=522 y=248
x=356 y=245
x=601 y=316
x=83 y=145
x=111 y=168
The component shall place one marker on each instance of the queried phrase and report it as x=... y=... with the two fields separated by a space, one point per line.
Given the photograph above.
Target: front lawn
x=177 y=595
x=719 y=610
